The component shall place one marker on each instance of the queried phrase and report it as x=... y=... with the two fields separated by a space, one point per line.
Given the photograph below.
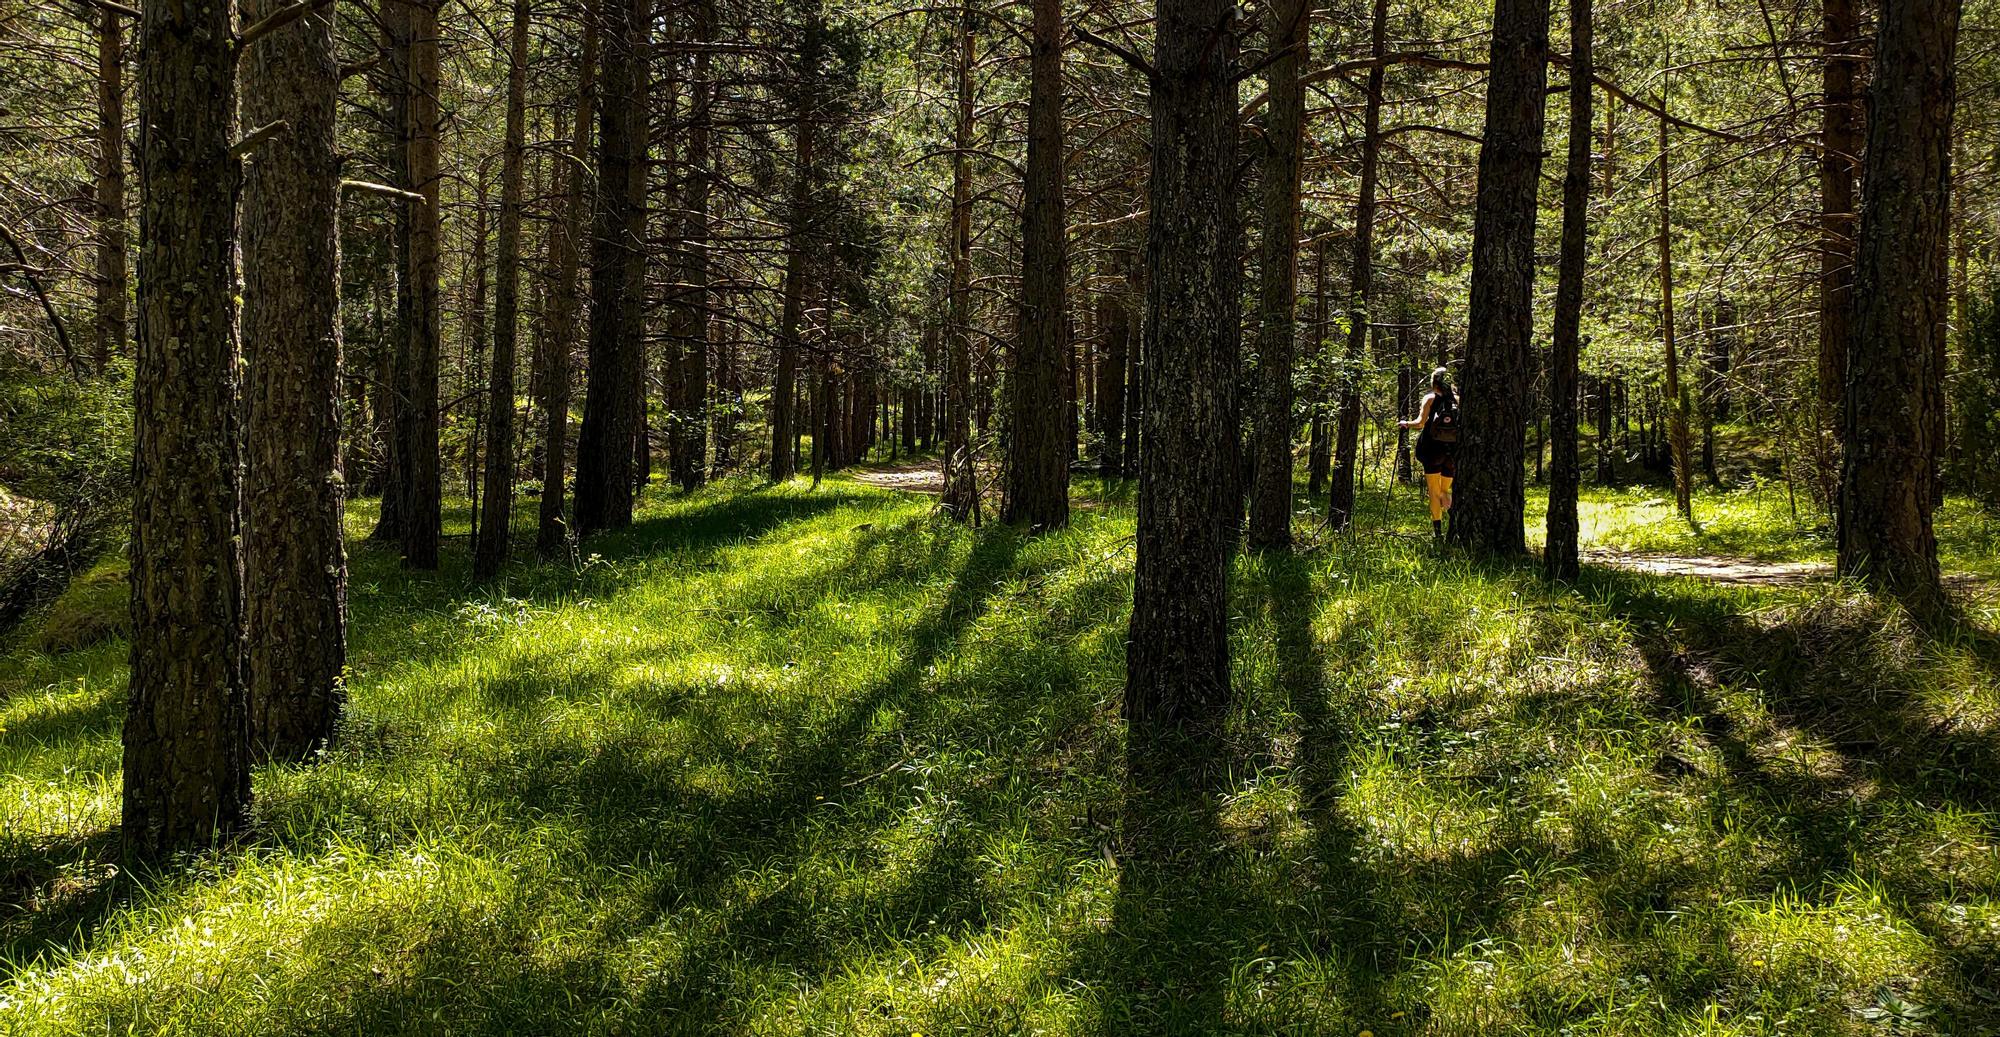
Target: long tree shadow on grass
x=1873 y=696
x=1360 y=931
x=54 y=892
x=713 y=875
x=725 y=843
x=1192 y=911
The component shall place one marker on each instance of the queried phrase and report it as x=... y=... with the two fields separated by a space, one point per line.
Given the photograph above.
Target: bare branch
x=1138 y=63
x=276 y=20
x=252 y=140
x=384 y=189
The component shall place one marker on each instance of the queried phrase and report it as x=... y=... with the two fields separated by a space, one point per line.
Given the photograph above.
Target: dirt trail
x=1736 y=572
x=1745 y=572
x=915 y=478
x=1742 y=572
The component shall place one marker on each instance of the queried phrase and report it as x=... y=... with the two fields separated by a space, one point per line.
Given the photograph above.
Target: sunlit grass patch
x=785 y=761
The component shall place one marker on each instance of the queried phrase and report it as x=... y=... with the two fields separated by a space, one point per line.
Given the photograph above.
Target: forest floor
x=782 y=761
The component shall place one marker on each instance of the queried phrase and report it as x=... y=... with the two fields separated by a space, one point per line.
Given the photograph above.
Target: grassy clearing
x=783 y=762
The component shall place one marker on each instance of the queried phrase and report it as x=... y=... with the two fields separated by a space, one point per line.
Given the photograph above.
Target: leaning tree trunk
x=605 y=444
x=1038 y=458
x=110 y=331
x=1559 y=552
x=1347 y=429
x=497 y=513
x=1177 y=663
x=294 y=558
x=1491 y=498
x=1284 y=129
x=186 y=766
x=1887 y=485
x=565 y=237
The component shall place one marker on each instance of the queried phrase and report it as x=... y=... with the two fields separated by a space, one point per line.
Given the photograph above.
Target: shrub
x=95 y=607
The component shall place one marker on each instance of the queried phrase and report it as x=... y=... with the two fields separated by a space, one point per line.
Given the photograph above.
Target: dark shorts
x=1437 y=458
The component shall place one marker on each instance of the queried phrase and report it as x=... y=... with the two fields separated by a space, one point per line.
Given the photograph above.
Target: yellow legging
x=1440 y=486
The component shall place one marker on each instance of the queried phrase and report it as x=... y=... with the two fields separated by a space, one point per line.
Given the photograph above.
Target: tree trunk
x=1606 y=474
x=1887 y=492
x=496 y=521
x=565 y=236
x=1319 y=438
x=1559 y=550
x=1839 y=163
x=1177 y=663
x=1676 y=400
x=961 y=481
x=1111 y=387
x=687 y=436
x=1284 y=129
x=1038 y=459
x=1360 y=286
x=605 y=444
x=1490 y=498
x=1721 y=355
x=110 y=330
x=294 y=557
x=784 y=383
x=473 y=332
x=186 y=767
x=419 y=504
x=394 y=86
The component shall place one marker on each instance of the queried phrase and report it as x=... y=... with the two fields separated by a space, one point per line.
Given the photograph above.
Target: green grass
x=788 y=762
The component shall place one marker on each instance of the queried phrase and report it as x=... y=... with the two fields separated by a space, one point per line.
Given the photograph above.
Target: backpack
x=1443 y=427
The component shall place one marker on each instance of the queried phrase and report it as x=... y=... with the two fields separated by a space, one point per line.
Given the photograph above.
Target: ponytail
x=1441 y=385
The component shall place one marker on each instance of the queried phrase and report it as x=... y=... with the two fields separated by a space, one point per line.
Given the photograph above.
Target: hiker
x=1437 y=444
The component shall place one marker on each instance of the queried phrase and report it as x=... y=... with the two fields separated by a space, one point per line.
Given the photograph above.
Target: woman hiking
x=1437 y=444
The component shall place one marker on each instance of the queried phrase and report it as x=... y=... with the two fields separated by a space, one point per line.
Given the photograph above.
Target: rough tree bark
x=294 y=557
x=1270 y=526
x=1841 y=132
x=687 y=431
x=1038 y=459
x=565 y=237
x=419 y=506
x=1177 y=664
x=604 y=451
x=784 y=384
x=1490 y=497
x=497 y=509
x=1559 y=553
x=186 y=764
x=961 y=481
x=1347 y=430
x=392 y=82
x=1894 y=378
